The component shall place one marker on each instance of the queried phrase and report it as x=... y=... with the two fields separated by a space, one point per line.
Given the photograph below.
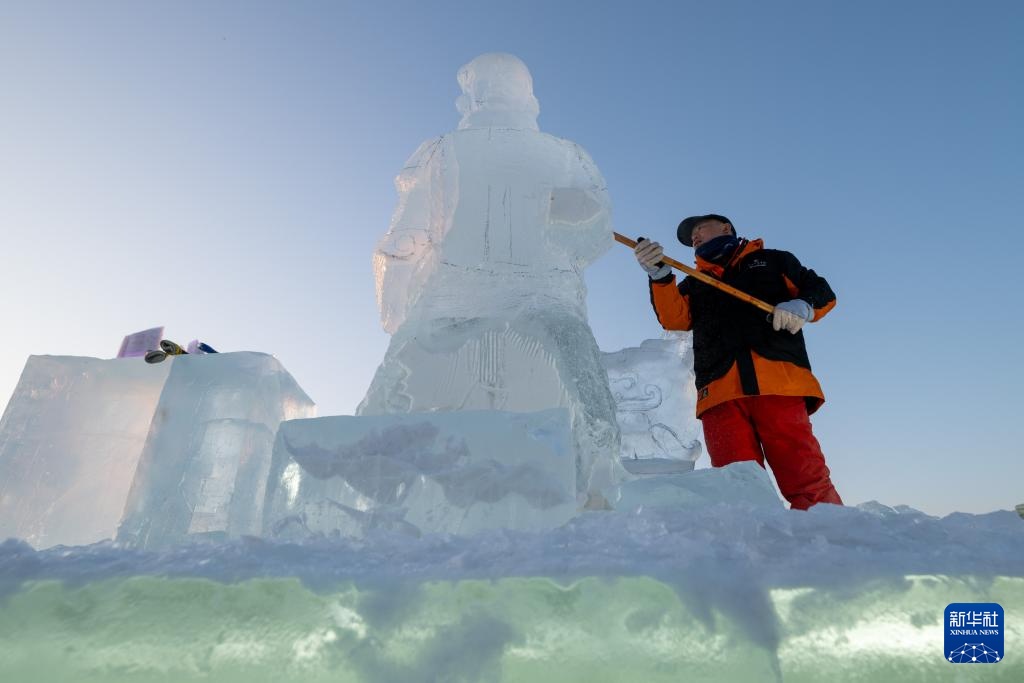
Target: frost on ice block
x=204 y=468
x=70 y=441
x=447 y=472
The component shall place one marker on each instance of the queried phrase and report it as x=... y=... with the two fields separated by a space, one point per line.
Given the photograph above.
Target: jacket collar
x=745 y=247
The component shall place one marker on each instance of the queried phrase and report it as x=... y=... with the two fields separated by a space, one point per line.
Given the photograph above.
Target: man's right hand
x=649 y=255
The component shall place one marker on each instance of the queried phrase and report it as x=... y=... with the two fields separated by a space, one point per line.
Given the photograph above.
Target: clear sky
x=225 y=169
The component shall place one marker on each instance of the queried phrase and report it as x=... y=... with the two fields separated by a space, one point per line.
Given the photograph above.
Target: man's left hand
x=791 y=315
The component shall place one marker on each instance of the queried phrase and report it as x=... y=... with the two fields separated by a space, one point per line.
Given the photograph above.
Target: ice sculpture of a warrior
x=480 y=274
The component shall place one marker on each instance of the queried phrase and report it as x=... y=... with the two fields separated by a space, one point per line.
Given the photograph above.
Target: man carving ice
x=755 y=389
x=480 y=275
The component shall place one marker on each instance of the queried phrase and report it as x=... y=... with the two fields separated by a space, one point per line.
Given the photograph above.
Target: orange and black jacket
x=736 y=351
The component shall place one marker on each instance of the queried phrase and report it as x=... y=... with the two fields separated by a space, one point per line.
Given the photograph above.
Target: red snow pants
x=776 y=429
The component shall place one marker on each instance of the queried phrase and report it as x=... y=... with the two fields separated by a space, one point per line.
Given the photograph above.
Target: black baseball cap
x=685 y=230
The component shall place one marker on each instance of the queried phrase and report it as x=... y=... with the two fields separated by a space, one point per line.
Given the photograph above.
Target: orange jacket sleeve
x=671 y=307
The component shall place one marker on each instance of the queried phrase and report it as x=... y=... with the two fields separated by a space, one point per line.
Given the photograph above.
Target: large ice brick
x=204 y=469
x=740 y=482
x=454 y=472
x=70 y=441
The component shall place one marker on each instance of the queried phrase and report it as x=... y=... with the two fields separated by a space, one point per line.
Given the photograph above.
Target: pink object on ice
x=138 y=343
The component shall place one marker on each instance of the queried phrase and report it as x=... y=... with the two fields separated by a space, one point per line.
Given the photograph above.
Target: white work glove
x=791 y=315
x=648 y=255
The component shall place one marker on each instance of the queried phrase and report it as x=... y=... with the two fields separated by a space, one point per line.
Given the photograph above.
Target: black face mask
x=719 y=249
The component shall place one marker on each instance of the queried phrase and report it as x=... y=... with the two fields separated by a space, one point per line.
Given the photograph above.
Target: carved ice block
x=655 y=403
x=412 y=473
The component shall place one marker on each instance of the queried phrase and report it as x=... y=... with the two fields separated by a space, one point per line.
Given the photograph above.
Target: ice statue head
x=497 y=91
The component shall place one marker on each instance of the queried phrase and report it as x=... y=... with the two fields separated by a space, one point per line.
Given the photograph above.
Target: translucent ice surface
x=655 y=404
x=740 y=483
x=480 y=275
x=445 y=472
x=70 y=442
x=715 y=594
x=205 y=465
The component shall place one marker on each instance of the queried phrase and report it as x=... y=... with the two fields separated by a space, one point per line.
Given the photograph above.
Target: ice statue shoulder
x=479 y=277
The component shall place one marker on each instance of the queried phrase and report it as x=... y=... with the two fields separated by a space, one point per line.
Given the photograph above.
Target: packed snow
x=715 y=592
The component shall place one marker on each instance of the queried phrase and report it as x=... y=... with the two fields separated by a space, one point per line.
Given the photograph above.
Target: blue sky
x=225 y=169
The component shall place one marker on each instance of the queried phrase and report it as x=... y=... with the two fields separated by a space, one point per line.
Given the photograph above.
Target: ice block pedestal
x=70 y=441
x=743 y=482
x=203 y=472
x=448 y=472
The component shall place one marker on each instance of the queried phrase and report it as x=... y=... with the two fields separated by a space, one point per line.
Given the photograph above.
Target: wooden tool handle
x=703 y=277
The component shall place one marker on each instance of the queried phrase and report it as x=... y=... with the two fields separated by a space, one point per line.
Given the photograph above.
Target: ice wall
x=480 y=274
x=443 y=472
x=70 y=441
x=204 y=468
x=715 y=594
x=655 y=402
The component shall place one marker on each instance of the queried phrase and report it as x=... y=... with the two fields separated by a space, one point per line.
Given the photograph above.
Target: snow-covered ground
x=720 y=592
